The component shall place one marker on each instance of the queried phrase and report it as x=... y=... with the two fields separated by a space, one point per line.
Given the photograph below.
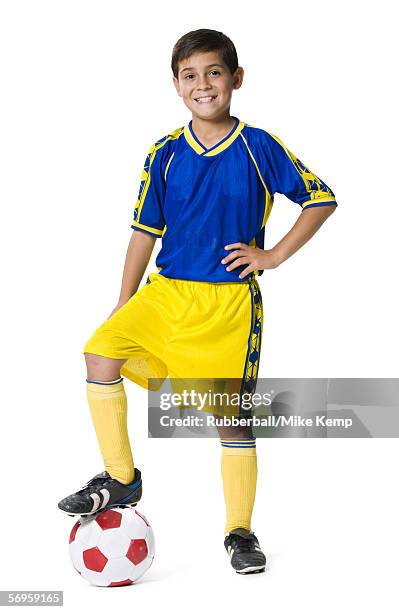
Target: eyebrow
x=210 y=66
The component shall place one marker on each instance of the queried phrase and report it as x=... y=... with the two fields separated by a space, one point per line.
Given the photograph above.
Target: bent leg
x=131 y=343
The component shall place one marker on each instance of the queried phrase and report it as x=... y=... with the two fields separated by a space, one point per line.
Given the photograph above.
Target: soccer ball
x=113 y=549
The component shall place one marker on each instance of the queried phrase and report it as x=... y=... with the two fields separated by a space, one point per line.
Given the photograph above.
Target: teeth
x=207 y=99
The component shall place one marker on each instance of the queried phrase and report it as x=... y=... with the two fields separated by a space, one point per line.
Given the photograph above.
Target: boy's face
x=206 y=84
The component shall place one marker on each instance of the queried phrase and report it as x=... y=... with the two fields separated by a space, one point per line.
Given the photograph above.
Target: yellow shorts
x=186 y=330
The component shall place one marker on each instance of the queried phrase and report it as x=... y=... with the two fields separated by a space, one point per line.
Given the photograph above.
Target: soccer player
x=207 y=191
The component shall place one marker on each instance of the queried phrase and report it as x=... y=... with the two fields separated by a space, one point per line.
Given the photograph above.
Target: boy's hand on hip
x=256 y=258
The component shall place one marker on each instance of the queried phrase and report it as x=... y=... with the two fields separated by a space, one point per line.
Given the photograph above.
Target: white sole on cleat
x=97 y=512
x=251 y=570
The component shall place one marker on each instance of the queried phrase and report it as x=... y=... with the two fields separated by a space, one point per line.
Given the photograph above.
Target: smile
x=205 y=99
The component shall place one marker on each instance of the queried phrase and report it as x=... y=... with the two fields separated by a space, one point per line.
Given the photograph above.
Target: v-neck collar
x=220 y=146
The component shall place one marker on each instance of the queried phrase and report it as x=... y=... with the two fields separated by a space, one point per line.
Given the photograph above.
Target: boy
x=207 y=189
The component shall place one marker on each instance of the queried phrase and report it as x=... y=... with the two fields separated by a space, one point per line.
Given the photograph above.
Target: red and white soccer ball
x=113 y=549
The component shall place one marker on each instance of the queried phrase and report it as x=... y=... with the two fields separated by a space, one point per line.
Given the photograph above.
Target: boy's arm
x=138 y=254
x=307 y=224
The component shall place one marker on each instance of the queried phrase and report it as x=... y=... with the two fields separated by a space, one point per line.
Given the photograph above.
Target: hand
x=256 y=258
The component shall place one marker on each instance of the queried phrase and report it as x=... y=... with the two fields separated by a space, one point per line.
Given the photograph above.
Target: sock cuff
x=109 y=389
x=247 y=443
x=105 y=382
x=239 y=447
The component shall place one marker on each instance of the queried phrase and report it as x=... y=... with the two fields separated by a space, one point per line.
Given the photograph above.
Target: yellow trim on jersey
x=147 y=175
x=227 y=142
x=175 y=134
x=318 y=200
x=168 y=164
x=268 y=198
x=158 y=232
x=191 y=141
x=218 y=149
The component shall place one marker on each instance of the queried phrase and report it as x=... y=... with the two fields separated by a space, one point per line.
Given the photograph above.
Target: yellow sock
x=108 y=407
x=239 y=473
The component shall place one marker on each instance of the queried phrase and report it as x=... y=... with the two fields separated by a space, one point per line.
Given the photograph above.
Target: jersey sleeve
x=290 y=177
x=148 y=211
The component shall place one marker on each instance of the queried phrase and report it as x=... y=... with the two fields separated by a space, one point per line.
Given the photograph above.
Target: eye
x=215 y=72
x=188 y=76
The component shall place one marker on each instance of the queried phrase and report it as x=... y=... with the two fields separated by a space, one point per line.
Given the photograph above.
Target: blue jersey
x=199 y=200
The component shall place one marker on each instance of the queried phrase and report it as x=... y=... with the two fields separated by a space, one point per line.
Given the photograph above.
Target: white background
x=86 y=88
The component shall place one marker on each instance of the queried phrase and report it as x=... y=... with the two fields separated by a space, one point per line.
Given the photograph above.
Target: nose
x=203 y=82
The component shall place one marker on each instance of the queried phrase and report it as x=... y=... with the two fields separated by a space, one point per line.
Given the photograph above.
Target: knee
x=102 y=368
x=97 y=366
x=92 y=360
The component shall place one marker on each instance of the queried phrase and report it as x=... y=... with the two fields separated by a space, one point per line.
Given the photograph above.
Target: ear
x=177 y=86
x=238 y=77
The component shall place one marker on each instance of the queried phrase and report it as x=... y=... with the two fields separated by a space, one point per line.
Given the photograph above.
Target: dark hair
x=204 y=40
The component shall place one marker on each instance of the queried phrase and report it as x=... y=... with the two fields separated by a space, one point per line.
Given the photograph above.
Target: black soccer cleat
x=100 y=493
x=246 y=556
